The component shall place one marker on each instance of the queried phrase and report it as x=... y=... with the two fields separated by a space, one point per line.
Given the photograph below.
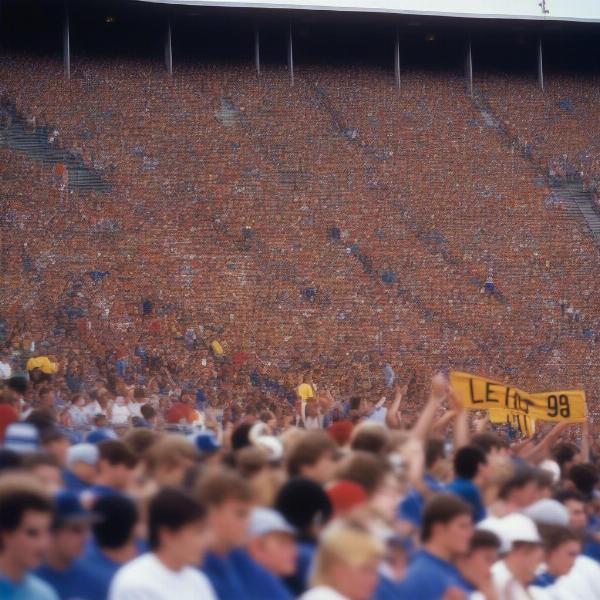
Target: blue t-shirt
x=258 y=582
x=591 y=548
x=224 y=577
x=469 y=492
x=428 y=578
x=297 y=583
x=238 y=576
x=411 y=508
x=95 y=558
x=73 y=483
x=29 y=588
x=386 y=589
x=80 y=582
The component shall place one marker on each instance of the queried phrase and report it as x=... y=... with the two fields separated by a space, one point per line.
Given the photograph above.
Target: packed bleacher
x=217 y=370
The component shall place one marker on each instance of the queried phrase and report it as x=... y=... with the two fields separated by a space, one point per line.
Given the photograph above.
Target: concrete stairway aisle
x=16 y=135
x=578 y=203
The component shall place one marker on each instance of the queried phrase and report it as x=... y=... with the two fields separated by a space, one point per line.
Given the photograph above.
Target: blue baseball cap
x=68 y=509
x=206 y=442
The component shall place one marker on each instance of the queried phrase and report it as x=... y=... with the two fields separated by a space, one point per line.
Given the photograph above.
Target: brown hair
x=307 y=451
x=442 y=508
x=219 y=485
x=364 y=468
x=169 y=452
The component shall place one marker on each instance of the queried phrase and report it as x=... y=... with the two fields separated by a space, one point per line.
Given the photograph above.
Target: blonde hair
x=346 y=542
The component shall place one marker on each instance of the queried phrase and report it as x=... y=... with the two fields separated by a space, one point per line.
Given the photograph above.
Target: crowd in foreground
x=112 y=492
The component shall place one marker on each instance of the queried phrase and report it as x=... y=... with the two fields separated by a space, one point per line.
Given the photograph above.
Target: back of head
x=467 y=461
x=116 y=452
x=303 y=503
x=564 y=452
x=169 y=452
x=584 y=477
x=118 y=518
x=139 y=440
x=365 y=469
x=370 y=437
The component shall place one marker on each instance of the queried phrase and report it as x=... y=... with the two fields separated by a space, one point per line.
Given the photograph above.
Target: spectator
x=63 y=569
x=114 y=542
x=116 y=463
x=178 y=540
x=513 y=574
x=471 y=470
x=446 y=534
x=81 y=467
x=314 y=456
x=25 y=519
x=346 y=564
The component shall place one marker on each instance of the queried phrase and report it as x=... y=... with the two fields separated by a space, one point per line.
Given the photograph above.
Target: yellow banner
x=524 y=423
x=507 y=403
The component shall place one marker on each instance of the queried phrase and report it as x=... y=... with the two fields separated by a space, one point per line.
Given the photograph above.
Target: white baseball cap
x=267 y=520
x=520 y=528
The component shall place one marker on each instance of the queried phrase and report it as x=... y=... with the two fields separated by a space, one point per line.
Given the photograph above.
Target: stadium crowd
x=217 y=376
x=128 y=481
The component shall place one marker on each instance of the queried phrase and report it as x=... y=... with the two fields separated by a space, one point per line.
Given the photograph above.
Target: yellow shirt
x=306 y=391
x=216 y=348
x=43 y=363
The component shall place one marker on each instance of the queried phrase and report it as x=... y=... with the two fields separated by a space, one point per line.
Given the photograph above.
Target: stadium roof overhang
x=541 y=10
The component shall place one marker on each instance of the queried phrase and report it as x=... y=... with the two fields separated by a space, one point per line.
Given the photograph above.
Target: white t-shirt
x=581 y=583
x=322 y=592
x=147 y=578
x=508 y=588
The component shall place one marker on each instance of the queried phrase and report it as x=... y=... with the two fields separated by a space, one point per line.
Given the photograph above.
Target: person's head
x=56 y=443
x=82 y=460
x=566 y=454
x=435 y=456
x=477 y=563
x=305 y=505
x=117 y=519
x=139 y=440
x=45 y=468
x=177 y=528
x=574 y=502
x=364 y=468
x=490 y=443
x=149 y=414
x=347 y=560
x=26 y=512
x=447 y=524
x=521 y=487
x=169 y=460
x=313 y=455
x=525 y=552
x=227 y=498
x=561 y=547
x=116 y=464
x=70 y=529
x=272 y=542
x=470 y=463
x=584 y=478
x=370 y=437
